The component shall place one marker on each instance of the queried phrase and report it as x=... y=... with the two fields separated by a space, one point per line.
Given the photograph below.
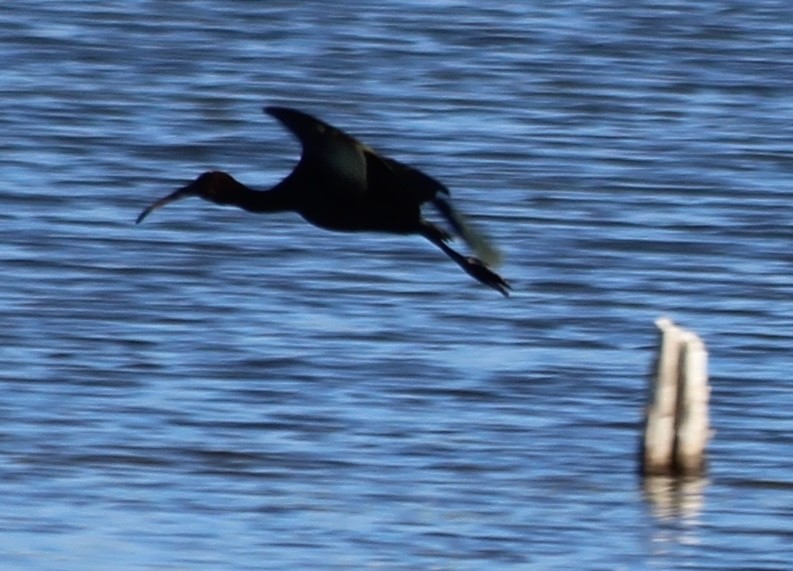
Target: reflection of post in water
x=675 y=496
x=676 y=431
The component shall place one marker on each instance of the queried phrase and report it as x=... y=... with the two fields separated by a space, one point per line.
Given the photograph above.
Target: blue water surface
x=217 y=390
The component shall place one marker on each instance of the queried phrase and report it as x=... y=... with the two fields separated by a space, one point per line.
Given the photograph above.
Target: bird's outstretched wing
x=346 y=157
x=329 y=150
x=409 y=181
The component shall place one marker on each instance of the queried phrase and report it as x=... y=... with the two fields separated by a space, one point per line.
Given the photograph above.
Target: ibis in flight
x=343 y=185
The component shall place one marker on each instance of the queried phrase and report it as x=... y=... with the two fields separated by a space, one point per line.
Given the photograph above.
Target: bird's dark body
x=341 y=184
x=374 y=212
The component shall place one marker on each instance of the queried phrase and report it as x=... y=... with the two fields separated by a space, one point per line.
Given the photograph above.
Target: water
x=216 y=390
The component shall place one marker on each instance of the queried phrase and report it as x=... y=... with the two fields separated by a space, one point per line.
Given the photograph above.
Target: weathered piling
x=676 y=426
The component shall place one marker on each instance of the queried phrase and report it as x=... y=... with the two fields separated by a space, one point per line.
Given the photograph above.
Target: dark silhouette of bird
x=341 y=184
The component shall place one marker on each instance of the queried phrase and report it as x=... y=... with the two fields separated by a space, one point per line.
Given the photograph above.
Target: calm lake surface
x=217 y=390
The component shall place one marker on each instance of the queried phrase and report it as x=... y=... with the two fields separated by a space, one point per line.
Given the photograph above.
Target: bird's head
x=214 y=186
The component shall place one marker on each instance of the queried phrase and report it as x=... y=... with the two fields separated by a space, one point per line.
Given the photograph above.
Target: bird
x=341 y=184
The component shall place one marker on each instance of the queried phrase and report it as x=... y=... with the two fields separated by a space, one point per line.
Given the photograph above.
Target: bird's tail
x=478 y=242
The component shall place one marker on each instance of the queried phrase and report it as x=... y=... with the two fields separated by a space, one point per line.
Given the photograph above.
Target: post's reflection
x=673 y=497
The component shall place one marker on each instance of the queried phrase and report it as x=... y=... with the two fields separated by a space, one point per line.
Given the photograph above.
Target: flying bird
x=343 y=185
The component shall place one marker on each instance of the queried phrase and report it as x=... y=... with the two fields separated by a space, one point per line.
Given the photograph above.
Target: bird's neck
x=277 y=199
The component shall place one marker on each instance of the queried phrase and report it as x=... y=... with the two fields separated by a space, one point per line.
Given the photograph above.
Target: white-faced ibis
x=341 y=184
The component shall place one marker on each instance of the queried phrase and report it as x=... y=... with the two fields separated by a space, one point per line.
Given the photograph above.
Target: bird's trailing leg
x=481 y=246
x=474 y=267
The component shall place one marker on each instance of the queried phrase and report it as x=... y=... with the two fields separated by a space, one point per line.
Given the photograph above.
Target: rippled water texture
x=217 y=390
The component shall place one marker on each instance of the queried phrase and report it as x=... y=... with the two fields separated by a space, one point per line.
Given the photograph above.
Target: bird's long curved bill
x=173 y=197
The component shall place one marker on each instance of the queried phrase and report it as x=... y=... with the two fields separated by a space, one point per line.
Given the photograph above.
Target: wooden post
x=691 y=422
x=676 y=420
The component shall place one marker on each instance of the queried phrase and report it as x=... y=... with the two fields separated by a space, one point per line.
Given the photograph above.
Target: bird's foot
x=477 y=269
x=437 y=234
